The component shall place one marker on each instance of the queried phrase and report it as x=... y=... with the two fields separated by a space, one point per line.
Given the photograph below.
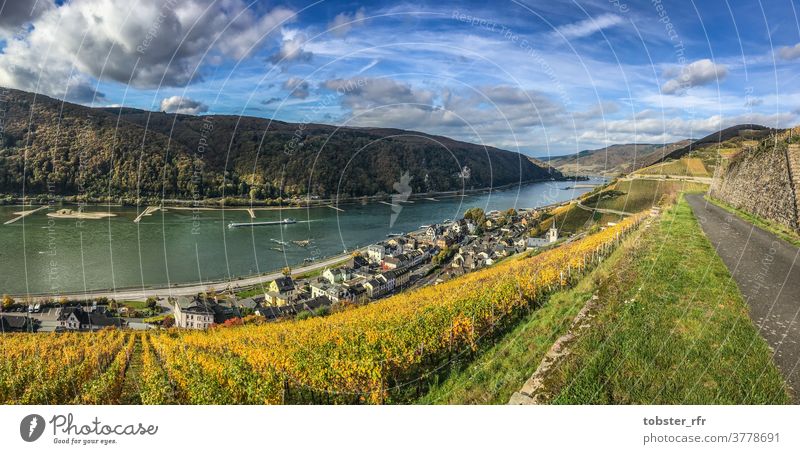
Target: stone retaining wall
x=763 y=182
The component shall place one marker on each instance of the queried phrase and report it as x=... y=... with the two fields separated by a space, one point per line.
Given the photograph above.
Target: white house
x=195 y=313
x=376 y=252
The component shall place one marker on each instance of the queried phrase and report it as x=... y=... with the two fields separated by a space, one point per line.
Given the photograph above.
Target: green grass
x=138 y=305
x=780 y=230
x=673 y=329
x=498 y=370
x=253 y=291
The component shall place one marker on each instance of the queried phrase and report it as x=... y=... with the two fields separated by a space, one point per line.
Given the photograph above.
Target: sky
x=538 y=77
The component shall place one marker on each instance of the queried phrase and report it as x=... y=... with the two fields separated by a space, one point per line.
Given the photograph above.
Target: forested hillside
x=62 y=149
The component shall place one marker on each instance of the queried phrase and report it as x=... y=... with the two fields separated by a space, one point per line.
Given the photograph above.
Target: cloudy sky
x=531 y=76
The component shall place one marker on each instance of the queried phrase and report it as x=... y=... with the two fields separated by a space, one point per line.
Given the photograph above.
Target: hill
x=732 y=136
x=611 y=160
x=57 y=148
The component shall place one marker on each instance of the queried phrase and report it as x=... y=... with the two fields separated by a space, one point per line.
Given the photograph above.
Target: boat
x=424 y=226
x=393 y=234
x=282 y=243
x=301 y=243
x=254 y=224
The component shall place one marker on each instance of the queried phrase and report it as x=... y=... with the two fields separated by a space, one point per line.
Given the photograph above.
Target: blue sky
x=531 y=76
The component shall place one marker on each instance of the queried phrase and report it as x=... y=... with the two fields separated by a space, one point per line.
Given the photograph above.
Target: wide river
x=42 y=255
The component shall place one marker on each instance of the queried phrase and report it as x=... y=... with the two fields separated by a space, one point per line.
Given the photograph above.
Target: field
x=380 y=353
x=673 y=329
x=641 y=194
x=629 y=196
x=692 y=167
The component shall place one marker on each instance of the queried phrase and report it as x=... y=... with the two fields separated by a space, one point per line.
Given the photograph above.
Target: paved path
x=767 y=270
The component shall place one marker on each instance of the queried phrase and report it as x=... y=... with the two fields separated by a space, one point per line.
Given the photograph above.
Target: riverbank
x=141 y=293
x=236 y=203
x=127 y=260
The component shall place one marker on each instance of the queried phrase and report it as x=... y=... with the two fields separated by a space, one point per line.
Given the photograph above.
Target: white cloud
x=790 y=52
x=700 y=72
x=344 y=22
x=588 y=27
x=183 y=105
x=147 y=44
x=297 y=87
x=291 y=49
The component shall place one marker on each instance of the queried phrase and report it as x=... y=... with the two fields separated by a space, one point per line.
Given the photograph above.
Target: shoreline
x=222 y=285
x=214 y=204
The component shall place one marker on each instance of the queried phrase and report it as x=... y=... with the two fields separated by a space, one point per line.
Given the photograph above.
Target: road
x=767 y=271
x=190 y=289
x=645 y=176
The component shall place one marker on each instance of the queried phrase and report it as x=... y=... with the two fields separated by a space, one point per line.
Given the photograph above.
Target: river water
x=42 y=255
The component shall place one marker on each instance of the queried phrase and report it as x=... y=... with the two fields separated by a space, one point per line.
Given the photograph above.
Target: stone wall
x=761 y=182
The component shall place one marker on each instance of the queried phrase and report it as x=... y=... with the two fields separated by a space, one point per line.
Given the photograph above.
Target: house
x=358 y=262
x=390 y=263
x=283 y=285
x=337 y=275
x=279 y=299
x=401 y=276
x=75 y=318
x=193 y=313
x=376 y=286
x=458 y=261
x=16 y=323
x=317 y=303
x=376 y=252
x=389 y=278
x=251 y=303
x=334 y=292
x=444 y=242
x=357 y=294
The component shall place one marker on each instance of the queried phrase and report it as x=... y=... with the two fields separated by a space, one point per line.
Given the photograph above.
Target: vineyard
x=378 y=353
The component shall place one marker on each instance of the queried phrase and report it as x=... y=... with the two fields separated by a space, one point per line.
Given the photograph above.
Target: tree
x=151 y=303
x=477 y=216
x=168 y=322
x=8 y=302
x=287 y=271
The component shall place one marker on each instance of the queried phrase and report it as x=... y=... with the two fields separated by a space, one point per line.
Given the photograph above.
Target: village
x=428 y=256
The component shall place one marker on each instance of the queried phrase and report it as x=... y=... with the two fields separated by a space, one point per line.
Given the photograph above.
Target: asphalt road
x=767 y=271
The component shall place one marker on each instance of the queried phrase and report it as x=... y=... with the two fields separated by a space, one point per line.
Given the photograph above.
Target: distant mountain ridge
x=610 y=160
x=58 y=148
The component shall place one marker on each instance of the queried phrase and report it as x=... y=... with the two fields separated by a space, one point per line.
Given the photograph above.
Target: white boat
x=253 y=224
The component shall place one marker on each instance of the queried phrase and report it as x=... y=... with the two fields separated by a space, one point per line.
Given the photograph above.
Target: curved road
x=767 y=271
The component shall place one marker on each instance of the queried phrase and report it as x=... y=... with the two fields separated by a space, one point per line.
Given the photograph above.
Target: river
x=42 y=255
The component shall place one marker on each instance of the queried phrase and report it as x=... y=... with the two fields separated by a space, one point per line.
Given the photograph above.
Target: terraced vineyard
x=379 y=353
